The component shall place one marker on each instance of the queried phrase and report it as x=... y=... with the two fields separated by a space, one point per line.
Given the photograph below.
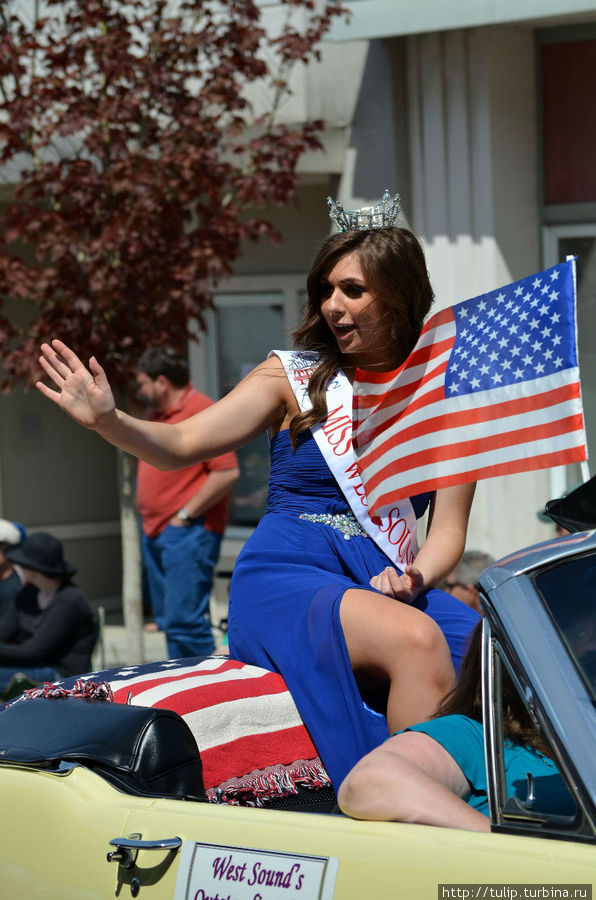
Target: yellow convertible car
x=113 y=804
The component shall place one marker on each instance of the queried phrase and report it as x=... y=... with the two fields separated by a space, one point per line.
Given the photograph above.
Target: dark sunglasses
x=449 y=585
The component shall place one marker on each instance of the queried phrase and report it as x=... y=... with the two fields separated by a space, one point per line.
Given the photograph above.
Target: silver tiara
x=383 y=215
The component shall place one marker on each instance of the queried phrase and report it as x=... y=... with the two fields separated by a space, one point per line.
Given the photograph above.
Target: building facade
x=480 y=116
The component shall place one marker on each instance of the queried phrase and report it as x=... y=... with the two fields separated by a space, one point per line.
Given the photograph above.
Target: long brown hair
x=395 y=271
x=466 y=698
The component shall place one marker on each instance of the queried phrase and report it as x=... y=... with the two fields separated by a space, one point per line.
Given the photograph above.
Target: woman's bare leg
x=392 y=643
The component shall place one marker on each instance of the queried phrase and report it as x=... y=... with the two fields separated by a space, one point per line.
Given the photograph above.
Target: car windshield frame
x=510 y=813
x=520 y=633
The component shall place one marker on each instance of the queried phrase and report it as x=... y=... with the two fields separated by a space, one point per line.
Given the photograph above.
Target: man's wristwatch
x=183 y=514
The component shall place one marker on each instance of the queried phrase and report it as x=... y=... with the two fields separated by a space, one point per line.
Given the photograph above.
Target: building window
x=568 y=70
x=244 y=327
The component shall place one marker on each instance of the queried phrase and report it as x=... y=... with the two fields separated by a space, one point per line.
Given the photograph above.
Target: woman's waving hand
x=83 y=393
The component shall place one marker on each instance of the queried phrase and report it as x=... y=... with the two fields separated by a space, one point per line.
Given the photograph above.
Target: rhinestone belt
x=346 y=523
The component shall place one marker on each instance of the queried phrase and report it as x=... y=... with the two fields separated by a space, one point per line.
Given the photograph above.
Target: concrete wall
x=475 y=200
x=58 y=477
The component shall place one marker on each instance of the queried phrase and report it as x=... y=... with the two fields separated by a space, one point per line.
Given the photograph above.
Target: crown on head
x=369 y=218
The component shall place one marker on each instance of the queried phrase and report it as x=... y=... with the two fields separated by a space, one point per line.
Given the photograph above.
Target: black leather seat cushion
x=150 y=752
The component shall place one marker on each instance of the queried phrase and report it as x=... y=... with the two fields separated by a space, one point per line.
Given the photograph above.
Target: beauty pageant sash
x=394 y=533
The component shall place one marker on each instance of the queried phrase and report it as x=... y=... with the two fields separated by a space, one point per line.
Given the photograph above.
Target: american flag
x=492 y=387
x=242 y=717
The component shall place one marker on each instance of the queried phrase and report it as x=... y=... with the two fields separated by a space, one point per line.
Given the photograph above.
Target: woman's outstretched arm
x=410 y=778
x=441 y=551
x=260 y=401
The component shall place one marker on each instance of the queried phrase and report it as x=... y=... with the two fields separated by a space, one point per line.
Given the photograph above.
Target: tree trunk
x=132 y=595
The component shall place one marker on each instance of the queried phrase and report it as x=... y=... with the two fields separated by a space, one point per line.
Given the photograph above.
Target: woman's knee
x=424 y=636
x=363 y=785
x=381 y=632
x=410 y=630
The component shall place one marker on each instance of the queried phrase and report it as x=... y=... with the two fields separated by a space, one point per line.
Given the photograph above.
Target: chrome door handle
x=127 y=848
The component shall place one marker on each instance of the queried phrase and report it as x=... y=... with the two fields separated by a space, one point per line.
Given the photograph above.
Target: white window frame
x=552 y=233
x=244 y=290
x=253 y=290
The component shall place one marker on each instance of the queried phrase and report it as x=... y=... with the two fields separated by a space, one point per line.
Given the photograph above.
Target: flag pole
x=583 y=466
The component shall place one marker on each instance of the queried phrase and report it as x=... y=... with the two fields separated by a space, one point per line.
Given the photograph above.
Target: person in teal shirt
x=434 y=772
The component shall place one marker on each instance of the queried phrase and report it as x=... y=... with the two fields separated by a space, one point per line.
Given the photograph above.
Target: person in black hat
x=543 y=516
x=49 y=630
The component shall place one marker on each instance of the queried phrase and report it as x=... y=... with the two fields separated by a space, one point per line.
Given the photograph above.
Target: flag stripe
x=418 y=374
x=507 y=416
x=221 y=762
x=428 y=387
x=429 y=390
x=524 y=443
x=172 y=671
x=541 y=461
x=187 y=678
x=200 y=689
x=438 y=416
x=246 y=715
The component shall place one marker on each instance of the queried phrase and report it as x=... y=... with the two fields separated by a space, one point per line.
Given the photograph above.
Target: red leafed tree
x=138 y=163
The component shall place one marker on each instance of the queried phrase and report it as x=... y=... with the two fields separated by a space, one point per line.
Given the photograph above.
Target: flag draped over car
x=491 y=388
x=253 y=743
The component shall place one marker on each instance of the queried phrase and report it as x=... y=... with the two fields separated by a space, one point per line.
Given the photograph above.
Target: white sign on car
x=210 y=871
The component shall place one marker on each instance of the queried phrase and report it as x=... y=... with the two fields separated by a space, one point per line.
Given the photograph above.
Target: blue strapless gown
x=285 y=596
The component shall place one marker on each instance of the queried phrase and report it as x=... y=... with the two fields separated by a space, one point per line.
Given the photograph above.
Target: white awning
x=391 y=18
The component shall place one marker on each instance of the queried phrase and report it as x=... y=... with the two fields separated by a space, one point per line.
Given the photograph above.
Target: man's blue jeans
x=35 y=673
x=179 y=565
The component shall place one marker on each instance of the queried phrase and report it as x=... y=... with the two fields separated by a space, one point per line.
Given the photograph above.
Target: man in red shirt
x=183 y=513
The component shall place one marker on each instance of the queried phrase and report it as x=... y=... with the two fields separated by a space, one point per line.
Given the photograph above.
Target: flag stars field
x=492 y=360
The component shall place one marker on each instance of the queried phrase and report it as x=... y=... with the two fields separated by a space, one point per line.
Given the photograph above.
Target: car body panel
x=70 y=819
x=56 y=827
x=537 y=555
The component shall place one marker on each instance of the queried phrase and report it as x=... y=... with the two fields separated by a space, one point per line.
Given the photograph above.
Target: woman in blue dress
x=334 y=600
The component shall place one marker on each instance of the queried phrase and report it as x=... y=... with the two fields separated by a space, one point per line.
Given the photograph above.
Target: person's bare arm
x=260 y=401
x=446 y=533
x=410 y=778
x=441 y=551
x=213 y=489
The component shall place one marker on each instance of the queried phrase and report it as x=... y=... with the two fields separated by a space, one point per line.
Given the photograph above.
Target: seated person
x=461 y=581
x=11 y=535
x=434 y=773
x=49 y=630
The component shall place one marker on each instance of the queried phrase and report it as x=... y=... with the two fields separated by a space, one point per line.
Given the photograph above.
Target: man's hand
x=177 y=522
x=404 y=588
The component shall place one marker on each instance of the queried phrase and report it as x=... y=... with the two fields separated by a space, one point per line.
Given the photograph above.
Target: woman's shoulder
x=273 y=370
x=455 y=727
x=272 y=365
x=457 y=720
x=296 y=360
